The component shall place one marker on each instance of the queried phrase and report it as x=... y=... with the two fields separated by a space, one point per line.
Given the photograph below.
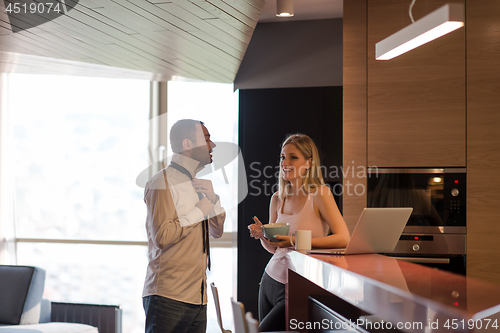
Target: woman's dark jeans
x=271 y=305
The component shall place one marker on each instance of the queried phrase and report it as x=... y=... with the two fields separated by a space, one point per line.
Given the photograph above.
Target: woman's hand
x=256 y=229
x=280 y=241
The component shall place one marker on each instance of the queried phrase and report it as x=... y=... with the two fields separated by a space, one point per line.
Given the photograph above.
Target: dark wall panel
x=266 y=116
x=293 y=54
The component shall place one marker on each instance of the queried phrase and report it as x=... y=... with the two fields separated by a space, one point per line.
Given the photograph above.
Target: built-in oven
x=435 y=234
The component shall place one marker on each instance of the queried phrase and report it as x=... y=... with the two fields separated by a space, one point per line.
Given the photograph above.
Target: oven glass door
x=430 y=192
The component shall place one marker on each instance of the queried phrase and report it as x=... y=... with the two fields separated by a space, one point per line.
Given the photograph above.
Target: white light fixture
x=284 y=8
x=434 y=25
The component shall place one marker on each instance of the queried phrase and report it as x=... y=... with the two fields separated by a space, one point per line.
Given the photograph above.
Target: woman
x=305 y=203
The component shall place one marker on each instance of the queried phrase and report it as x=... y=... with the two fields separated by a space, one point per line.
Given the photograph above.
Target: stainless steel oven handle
x=419 y=260
x=376 y=170
x=390 y=170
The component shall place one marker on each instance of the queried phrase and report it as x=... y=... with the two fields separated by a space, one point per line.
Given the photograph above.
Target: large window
x=217 y=106
x=73 y=148
x=76 y=146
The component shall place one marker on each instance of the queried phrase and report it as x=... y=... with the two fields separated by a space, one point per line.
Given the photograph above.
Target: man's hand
x=205 y=206
x=205 y=186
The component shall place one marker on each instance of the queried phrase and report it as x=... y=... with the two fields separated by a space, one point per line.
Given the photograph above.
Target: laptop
x=377 y=231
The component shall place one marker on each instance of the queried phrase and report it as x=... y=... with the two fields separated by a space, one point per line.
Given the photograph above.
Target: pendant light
x=434 y=25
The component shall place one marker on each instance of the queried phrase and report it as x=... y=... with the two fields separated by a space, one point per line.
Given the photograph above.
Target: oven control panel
x=442 y=244
x=417 y=237
x=455 y=199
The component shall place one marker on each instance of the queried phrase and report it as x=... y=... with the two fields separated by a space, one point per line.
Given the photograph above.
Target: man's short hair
x=181 y=130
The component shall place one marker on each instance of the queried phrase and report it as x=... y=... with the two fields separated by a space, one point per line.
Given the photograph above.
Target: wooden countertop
x=400 y=291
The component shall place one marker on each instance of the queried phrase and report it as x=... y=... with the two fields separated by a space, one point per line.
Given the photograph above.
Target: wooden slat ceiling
x=155 y=39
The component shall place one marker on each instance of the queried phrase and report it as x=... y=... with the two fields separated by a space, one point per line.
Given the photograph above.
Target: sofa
x=22 y=308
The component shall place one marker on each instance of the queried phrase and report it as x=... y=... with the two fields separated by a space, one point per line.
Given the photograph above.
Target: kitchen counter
x=411 y=297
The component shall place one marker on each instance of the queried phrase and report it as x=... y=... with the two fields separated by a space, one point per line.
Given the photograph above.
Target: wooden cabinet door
x=416 y=102
x=483 y=140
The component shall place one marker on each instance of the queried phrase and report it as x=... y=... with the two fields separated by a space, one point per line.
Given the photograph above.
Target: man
x=181 y=212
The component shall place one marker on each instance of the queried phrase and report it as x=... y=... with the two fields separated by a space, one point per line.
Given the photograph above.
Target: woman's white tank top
x=306 y=219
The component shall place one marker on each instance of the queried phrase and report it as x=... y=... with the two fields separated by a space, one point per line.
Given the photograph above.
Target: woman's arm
x=329 y=212
x=273 y=216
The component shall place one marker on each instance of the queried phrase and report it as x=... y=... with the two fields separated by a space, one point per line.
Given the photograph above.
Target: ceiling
x=147 y=39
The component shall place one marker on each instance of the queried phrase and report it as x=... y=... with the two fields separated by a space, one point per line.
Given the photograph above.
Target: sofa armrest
x=45 y=311
x=21 y=288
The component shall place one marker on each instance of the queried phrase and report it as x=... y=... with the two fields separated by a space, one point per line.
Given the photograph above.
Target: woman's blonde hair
x=313 y=178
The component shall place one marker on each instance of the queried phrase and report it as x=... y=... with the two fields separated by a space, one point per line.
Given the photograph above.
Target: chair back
x=215 y=293
x=253 y=324
x=240 y=324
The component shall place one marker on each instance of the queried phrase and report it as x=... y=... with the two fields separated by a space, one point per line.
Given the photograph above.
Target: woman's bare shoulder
x=322 y=191
x=275 y=199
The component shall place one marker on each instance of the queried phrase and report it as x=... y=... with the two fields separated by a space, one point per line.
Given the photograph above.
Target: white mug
x=302 y=240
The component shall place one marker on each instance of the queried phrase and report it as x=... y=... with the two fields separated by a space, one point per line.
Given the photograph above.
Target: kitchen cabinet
x=434 y=106
x=354 y=132
x=406 y=112
x=483 y=139
x=415 y=102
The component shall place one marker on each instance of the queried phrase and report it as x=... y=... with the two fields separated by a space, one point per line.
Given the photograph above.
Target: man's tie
x=205 y=235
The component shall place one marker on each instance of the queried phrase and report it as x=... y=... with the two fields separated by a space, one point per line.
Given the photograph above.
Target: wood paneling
x=483 y=139
x=416 y=102
x=424 y=111
x=196 y=39
x=354 y=137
